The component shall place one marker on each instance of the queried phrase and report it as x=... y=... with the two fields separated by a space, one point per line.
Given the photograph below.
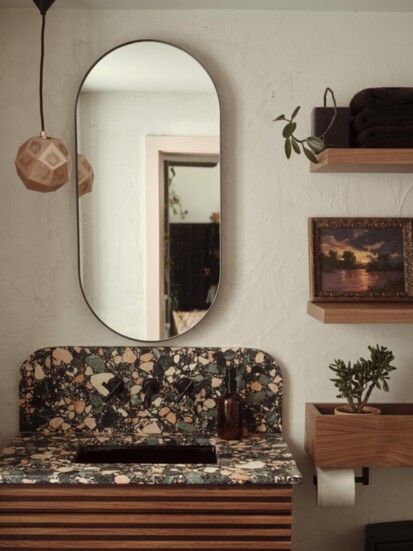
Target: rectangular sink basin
x=147 y=454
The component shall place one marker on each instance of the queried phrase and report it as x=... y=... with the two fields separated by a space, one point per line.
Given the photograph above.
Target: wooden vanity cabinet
x=86 y=517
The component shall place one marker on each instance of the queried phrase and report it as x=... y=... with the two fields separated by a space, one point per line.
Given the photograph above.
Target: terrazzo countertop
x=37 y=458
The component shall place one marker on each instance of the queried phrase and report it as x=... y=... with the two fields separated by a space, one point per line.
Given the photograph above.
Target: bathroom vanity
x=145 y=518
x=206 y=493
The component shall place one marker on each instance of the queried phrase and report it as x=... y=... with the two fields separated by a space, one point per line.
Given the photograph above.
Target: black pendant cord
x=41 y=72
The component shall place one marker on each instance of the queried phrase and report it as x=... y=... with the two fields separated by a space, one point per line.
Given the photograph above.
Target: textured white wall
x=263 y=64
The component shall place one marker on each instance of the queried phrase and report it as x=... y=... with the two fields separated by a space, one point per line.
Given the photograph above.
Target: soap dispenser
x=230 y=410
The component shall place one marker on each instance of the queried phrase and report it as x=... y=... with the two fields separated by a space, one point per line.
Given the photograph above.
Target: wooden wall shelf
x=344 y=312
x=364 y=160
x=351 y=441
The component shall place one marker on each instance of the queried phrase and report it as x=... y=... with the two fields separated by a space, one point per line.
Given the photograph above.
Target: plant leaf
x=287 y=147
x=310 y=155
x=280 y=118
x=317 y=145
x=295 y=112
x=296 y=147
x=289 y=129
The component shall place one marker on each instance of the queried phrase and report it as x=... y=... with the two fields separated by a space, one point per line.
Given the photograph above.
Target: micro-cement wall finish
x=264 y=64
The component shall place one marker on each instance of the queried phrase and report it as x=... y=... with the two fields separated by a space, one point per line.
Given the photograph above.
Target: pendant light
x=43 y=163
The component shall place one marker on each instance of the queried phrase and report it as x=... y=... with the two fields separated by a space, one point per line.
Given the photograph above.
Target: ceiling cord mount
x=43 y=5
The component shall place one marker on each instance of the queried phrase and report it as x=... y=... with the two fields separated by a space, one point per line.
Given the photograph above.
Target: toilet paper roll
x=335 y=487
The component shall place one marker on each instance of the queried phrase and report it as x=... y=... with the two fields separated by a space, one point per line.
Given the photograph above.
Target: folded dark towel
x=380 y=98
x=360 y=126
x=369 y=117
x=379 y=141
x=386 y=132
x=390 y=111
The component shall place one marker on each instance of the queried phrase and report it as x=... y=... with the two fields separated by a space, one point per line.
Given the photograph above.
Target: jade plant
x=312 y=145
x=356 y=382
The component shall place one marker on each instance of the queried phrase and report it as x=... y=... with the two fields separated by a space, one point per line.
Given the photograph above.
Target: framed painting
x=361 y=259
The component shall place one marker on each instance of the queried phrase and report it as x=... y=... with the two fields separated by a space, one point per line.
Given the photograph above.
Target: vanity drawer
x=145 y=517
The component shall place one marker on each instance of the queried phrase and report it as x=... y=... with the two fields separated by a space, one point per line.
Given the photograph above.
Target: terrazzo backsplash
x=63 y=389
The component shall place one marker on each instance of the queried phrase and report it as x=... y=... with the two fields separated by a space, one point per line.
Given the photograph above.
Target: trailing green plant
x=356 y=382
x=174 y=200
x=316 y=144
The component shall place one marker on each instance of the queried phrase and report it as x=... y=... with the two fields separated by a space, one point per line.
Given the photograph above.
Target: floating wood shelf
x=364 y=160
x=351 y=441
x=340 y=312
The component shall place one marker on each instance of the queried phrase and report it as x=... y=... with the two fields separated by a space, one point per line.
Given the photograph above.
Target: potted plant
x=357 y=381
x=331 y=126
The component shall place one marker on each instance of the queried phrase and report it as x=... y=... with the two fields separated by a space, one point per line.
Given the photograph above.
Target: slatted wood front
x=41 y=517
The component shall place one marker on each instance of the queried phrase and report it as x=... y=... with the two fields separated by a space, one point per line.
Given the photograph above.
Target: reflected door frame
x=159 y=149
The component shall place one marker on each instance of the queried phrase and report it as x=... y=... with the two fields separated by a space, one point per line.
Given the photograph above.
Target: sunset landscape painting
x=361 y=260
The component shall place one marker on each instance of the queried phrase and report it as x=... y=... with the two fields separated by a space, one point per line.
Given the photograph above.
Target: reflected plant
x=175 y=206
x=174 y=200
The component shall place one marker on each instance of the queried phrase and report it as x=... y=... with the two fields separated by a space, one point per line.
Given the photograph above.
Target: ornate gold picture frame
x=361 y=259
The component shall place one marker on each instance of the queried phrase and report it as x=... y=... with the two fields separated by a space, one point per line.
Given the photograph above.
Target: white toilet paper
x=335 y=487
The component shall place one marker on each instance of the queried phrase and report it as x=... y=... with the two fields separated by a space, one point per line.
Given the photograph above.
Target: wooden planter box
x=384 y=440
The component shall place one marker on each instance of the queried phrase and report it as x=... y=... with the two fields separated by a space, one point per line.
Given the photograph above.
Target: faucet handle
x=185 y=387
x=116 y=387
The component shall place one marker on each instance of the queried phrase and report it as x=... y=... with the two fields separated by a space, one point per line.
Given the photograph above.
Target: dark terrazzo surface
x=63 y=407
x=38 y=458
x=62 y=389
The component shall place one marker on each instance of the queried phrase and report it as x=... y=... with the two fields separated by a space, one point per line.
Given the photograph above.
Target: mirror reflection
x=191 y=241
x=148 y=122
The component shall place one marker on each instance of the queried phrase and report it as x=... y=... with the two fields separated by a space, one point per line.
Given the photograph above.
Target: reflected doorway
x=192 y=239
x=183 y=201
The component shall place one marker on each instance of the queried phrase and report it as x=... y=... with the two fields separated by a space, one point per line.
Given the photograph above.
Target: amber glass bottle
x=230 y=410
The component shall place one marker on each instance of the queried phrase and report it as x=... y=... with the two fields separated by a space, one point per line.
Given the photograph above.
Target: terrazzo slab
x=62 y=389
x=41 y=459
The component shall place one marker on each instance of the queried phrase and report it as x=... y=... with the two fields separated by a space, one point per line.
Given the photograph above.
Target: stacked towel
x=383 y=117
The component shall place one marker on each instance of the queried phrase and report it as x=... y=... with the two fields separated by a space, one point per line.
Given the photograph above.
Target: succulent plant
x=316 y=144
x=356 y=382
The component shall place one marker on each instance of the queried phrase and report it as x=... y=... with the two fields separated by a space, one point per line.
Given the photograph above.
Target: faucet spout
x=150 y=387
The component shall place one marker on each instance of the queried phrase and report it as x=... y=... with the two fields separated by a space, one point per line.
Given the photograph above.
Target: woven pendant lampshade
x=85 y=175
x=43 y=164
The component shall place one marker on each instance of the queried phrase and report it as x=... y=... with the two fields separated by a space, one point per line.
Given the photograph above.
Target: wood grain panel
x=389 y=160
x=360 y=441
x=130 y=532
x=122 y=491
x=159 y=505
x=144 y=518
x=337 y=312
x=86 y=545
x=116 y=519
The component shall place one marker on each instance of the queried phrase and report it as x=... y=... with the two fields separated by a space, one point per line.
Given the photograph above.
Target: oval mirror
x=148 y=145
